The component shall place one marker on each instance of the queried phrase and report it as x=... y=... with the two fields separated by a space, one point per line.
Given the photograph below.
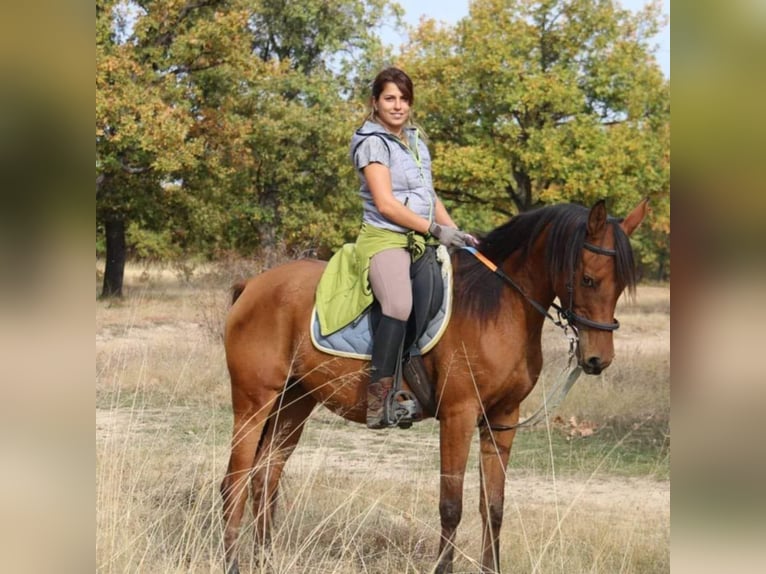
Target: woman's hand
x=452 y=236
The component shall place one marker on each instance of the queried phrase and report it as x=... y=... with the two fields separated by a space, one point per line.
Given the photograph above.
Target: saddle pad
x=355 y=339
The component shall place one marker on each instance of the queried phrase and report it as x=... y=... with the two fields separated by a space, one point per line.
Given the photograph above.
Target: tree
x=220 y=124
x=534 y=102
x=164 y=110
x=224 y=124
x=301 y=172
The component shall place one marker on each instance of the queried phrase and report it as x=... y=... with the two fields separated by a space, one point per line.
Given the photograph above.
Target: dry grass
x=355 y=501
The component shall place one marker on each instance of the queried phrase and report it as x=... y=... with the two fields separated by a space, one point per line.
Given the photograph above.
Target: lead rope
x=557 y=394
x=563 y=386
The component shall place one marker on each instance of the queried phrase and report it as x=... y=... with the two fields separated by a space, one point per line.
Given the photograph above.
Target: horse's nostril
x=593 y=366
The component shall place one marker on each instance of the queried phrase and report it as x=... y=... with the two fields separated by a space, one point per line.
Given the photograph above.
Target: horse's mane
x=478 y=294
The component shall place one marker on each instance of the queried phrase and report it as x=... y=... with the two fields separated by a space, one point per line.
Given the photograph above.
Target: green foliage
x=225 y=125
x=151 y=245
x=539 y=102
x=222 y=125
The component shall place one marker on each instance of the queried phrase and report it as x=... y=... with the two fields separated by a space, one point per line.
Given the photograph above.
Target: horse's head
x=601 y=270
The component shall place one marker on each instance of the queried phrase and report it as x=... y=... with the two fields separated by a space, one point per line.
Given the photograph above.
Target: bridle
x=573 y=318
x=567 y=318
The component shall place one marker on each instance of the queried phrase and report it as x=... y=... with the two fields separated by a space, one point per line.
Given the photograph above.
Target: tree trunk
x=522 y=195
x=115 y=258
x=267 y=230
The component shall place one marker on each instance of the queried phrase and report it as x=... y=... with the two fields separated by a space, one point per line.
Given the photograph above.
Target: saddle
x=431 y=278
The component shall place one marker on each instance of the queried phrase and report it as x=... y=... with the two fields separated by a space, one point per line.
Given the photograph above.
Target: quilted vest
x=410 y=175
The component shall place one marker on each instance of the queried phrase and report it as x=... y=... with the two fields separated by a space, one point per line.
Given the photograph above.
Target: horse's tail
x=236 y=290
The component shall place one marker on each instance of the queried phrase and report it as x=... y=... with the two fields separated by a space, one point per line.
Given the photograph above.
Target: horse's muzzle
x=594 y=365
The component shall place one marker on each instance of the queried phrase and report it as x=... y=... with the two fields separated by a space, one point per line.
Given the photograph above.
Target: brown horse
x=486 y=363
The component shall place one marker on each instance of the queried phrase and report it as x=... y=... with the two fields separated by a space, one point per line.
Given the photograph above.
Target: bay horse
x=485 y=364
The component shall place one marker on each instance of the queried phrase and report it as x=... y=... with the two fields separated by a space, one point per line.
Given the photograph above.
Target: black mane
x=478 y=293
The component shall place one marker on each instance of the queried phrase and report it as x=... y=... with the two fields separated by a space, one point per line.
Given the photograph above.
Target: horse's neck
x=531 y=275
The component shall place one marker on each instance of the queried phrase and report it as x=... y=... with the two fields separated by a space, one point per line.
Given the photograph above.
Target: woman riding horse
x=401 y=216
x=485 y=364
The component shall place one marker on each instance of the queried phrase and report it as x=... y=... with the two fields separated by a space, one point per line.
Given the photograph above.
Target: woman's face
x=393 y=108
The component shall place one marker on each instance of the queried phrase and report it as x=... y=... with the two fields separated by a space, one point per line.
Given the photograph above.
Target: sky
x=451 y=11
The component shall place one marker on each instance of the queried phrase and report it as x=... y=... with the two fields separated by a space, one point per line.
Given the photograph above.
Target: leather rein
x=572 y=319
x=567 y=320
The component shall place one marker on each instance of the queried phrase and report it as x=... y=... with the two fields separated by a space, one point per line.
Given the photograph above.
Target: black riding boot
x=387 y=342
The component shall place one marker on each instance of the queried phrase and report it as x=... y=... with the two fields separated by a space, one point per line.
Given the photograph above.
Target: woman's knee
x=397 y=307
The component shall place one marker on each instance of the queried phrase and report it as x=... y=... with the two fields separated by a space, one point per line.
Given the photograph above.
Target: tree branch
x=192 y=69
x=515 y=197
x=460 y=196
x=193 y=6
x=131 y=169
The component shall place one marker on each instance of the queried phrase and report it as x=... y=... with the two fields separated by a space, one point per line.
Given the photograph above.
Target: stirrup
x=401 y=409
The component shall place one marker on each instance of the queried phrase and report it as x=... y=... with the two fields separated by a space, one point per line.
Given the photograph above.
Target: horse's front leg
x=455 y=442
x=495 y=451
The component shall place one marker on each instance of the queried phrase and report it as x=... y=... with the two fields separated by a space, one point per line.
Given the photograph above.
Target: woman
x=401 y=215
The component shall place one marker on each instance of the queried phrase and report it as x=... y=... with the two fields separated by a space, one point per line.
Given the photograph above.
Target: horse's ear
x=635 y=217
x=597 y=219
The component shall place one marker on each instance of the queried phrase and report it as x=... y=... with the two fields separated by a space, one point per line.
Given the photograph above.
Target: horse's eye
x=587 y=281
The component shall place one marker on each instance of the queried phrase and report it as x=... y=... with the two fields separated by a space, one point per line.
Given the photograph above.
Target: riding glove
x=451 y=236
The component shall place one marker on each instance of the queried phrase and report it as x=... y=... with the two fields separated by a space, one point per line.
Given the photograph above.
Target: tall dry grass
x=353 y=500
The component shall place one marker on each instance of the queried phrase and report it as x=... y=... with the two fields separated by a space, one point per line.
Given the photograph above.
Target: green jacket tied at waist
x=344 y=290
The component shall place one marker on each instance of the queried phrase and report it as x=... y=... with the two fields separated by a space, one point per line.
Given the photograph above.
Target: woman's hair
x=402 y=81
x=397 y=77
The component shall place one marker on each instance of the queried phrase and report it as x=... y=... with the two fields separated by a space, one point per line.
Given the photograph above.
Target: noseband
x=573 y=320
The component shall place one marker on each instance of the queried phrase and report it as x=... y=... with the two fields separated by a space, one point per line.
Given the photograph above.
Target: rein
x=568 y=314
x=567 y=320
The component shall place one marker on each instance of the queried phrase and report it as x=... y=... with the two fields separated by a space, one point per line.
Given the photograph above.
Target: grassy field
x=588 y=491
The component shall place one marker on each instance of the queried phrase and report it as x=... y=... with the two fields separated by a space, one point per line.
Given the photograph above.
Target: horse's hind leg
x=250 y=408
x=283 y=431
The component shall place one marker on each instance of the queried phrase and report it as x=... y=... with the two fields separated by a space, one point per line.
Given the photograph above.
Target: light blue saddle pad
x=355 y=339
